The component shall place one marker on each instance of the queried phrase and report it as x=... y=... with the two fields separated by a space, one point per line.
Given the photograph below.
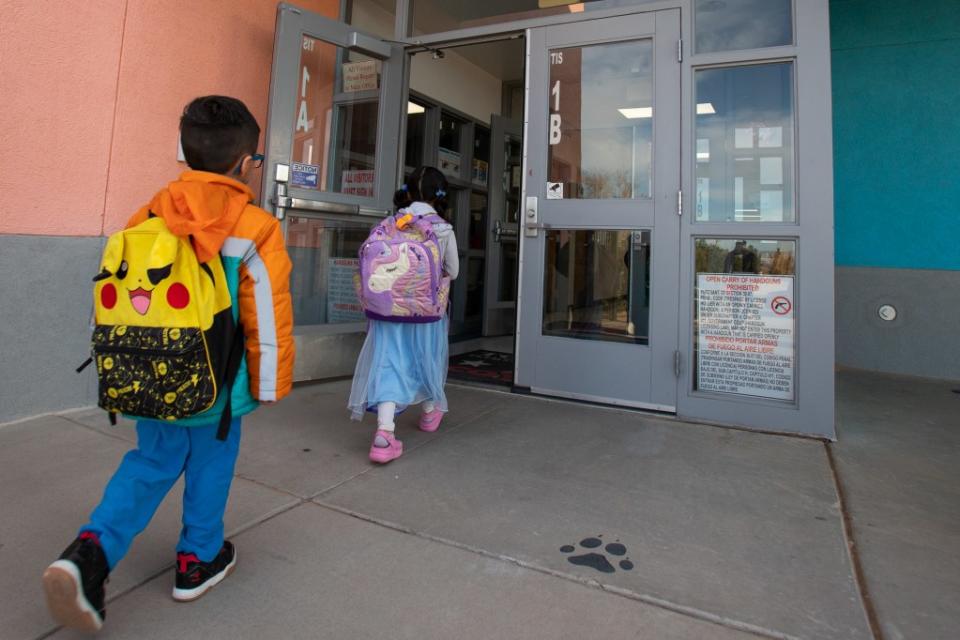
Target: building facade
x=804 y=145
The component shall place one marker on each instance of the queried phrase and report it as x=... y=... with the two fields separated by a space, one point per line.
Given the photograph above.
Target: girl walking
x=404 y=358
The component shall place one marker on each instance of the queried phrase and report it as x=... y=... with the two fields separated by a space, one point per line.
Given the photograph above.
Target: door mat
x=490 y=367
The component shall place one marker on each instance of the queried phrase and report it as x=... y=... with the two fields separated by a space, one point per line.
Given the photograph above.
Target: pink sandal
x=430 y=421
x=383 y=454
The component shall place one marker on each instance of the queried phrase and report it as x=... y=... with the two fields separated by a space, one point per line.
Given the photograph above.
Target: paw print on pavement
x=596 y=559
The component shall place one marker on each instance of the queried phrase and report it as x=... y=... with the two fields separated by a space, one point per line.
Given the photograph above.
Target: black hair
x=216 y=132
x=426 y=184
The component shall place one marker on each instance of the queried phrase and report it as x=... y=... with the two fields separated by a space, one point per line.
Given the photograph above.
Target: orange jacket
x=218 y=214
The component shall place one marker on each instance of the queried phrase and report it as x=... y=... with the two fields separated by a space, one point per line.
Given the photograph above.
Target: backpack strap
x=425 y=224
x=233 y=366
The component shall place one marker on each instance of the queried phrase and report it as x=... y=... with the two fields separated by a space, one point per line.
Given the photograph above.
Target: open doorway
x=465 y=116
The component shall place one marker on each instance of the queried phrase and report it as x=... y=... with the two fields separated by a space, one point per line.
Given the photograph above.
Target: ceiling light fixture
x=637 y=112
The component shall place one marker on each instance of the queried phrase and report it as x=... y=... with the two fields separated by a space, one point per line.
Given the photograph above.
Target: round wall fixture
x=887 y=312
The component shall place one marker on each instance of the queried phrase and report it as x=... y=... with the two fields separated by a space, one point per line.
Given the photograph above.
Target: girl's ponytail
x=432 y=185
x=426 y=184
x=402 y=198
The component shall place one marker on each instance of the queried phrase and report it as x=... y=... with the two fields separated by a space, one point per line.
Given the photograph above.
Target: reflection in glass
x=744 y=317
x=475 y=270
x=763 y=257
x=597 y=285
x=744 y=144
x=508 y=271
x=373 y=16
x=601 y=121
x=512 y=176
x=434 y=16
x=734 y=25
x=335 y=123
x=481 y=156
x=477 y=237
x=324 y=255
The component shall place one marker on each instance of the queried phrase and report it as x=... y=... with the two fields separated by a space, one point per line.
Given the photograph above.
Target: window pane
x=481 y=156
x=508 y=271
x=597 y=285
x=416 y=134
x=335 y=125
x=733 y=25
x=433 y=16
x=744 y=144
x=475 y=271
x=512 y=176
x=450 y=153
x=324 y=255
x=478 y=221
x=601 y=121
x=744 y=318
x=377 y=17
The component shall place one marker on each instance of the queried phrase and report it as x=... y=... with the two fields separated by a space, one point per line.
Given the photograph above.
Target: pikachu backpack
x=165 y=342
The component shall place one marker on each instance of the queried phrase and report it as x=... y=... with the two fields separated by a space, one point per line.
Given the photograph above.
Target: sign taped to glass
x=359 y=182
x=343 y=305
x=745 y=334
x=360 y=76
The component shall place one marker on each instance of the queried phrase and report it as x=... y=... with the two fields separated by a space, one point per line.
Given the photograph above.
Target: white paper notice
x=743 y=138
x=359 y=182
x=360 y=76
x=745 y=335
x=342 y=302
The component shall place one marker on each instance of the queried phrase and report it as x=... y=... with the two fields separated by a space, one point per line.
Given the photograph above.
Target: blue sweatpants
x=147 y=473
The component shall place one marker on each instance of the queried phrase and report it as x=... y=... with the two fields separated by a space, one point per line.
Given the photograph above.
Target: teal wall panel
x=896 y=97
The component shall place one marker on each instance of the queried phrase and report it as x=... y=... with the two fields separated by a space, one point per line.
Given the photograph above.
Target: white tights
x=387 y=410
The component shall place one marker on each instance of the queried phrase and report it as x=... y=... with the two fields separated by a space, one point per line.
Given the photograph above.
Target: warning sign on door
x=745 y=334
x=343 y=305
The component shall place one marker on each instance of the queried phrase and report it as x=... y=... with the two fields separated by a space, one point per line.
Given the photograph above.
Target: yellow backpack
x=165 y=342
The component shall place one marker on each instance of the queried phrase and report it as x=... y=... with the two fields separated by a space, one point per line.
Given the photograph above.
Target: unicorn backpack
x=401 y=270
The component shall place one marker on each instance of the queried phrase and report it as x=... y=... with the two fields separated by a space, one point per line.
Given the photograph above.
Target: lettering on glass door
x=601 y=120
x=303 y=123
x=555 y=118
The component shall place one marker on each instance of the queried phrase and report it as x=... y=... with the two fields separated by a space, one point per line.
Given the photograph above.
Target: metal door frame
x=292 y=24
x=501 y=127
x=812 y=413
x=659 y=214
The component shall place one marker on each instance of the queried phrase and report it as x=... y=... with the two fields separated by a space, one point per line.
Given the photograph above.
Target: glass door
x=506 y=171
x=336 y=99
x=600 y=231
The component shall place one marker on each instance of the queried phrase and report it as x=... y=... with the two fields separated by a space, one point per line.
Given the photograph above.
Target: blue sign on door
x=306 y=176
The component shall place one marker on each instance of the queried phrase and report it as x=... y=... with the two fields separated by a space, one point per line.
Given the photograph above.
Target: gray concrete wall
x=924 y=340
x=45 y=306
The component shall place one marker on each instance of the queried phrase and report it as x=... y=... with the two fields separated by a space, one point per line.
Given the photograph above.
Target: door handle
x=531 y=217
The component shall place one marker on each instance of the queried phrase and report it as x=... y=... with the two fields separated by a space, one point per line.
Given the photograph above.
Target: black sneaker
x=74 y=585
x=195 y=578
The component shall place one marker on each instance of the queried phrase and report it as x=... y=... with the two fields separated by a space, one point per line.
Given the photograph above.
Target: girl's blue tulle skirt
x=405 y=363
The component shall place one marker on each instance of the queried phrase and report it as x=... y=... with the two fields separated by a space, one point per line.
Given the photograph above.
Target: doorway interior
x=465 y=116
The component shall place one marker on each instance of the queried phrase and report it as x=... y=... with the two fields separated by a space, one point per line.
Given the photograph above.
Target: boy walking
x=211 y=205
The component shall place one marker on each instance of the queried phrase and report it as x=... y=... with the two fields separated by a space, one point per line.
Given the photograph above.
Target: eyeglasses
x=257 y=160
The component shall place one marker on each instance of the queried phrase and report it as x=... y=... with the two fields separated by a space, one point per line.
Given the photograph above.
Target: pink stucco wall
x=92 y=93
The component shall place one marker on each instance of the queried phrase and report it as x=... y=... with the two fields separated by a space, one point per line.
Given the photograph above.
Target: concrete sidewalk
x=723 y=534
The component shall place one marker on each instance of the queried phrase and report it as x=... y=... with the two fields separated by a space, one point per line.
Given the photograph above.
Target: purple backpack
x=401 y=270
